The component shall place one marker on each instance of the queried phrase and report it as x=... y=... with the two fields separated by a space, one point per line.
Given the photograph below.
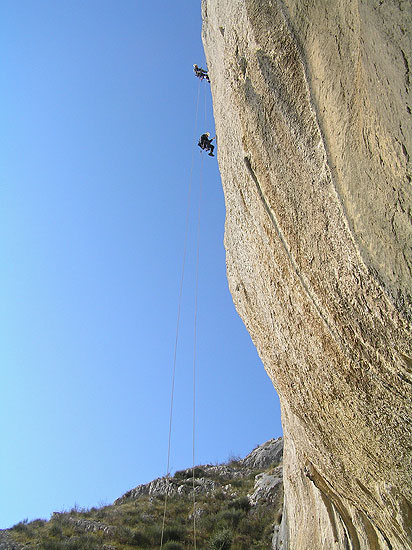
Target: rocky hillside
x=312 y=104
x=238 y=507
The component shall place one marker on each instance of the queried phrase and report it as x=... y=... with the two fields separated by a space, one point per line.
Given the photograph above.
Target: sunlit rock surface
x=211 y=478
x=312 y=103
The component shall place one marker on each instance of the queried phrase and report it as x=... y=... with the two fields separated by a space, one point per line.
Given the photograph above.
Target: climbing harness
x=201 y=73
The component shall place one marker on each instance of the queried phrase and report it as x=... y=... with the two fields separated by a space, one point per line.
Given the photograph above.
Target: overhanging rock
x=312 y=104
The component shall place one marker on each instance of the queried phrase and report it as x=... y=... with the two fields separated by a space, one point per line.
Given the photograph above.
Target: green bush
x=186 y=474
x=234 y=460
x=22 y=526
x=55 y=530
x=173 y=545
x=59 y=519
x=129 y=517
x=242 y=542
x=37 y=523
x=240 y=504
x=230 y=517
x=51 y=544
x=222 y=540
x=254 y=525
x=139 y=539
x=83 y=542
x=174 y=533
x=238 y=483
x=133 y=537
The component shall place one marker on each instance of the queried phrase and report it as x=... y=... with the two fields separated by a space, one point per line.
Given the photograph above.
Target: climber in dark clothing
x=206 y=144
x=200 y=73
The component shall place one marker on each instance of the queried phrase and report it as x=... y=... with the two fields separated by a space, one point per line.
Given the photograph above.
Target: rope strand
x=178 y=324
x=195 y=339
x=194 y=352
x=194 y=334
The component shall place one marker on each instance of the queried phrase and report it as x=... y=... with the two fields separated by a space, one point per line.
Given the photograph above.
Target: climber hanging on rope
x=200 y=73
x=206 y=144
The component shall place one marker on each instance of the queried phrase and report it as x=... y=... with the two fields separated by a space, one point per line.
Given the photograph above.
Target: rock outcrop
x=264 y=455
x=7 y=542
x=312 y=103
x=212 y=478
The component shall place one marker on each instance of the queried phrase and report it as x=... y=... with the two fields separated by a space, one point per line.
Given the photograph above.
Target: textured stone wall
x=312 y=103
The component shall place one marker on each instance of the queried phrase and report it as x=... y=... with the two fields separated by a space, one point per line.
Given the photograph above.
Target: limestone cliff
x=312 y=103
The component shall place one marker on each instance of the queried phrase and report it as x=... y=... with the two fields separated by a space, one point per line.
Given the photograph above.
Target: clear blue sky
x=97 y=134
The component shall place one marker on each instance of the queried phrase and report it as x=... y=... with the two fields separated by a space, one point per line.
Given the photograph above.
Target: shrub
x=237 y=483
x=240 y=504
x=133 y=537
x=55 y=530
x=59 y=518
x=51 y=544
x=173 y=545
x=84 y=542
x=230 y=517
x=242 y=542
x=222 y=540
x=139 y=539
x=186 y=474
x=36 y=523
x=22 y=526
x=254 y=525
x=129 y=517
x=124 y=535
x=174 y=533
x=234 y=460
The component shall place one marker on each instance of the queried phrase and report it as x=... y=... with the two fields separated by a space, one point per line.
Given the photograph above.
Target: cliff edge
x=312 y=103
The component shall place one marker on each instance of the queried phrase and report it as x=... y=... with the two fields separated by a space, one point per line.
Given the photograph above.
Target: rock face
x=211 y=478
x=266 y=488
x=7 y=542
x=265 y=455
x=312 y=103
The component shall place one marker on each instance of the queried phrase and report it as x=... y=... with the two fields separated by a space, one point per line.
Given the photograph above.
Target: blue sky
x=97 y=136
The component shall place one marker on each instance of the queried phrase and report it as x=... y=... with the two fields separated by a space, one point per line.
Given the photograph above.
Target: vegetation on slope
x=225 y=518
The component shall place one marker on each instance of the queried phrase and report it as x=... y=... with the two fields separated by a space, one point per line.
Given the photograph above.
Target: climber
x=200 y=73
x=206 y=144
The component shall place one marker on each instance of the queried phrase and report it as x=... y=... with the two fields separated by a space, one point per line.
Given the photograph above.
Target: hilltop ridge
x=239 y=502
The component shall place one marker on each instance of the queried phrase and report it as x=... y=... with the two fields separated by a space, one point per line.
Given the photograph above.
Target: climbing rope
x=188 y=208
x=194 y=351
x=195 y=339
